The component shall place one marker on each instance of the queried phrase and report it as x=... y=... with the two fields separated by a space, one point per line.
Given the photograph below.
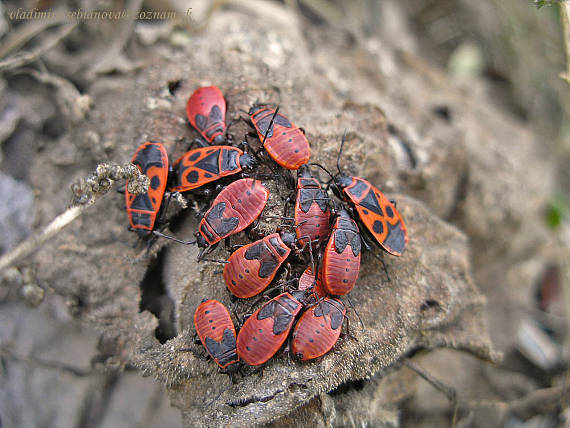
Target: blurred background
x=494 y=71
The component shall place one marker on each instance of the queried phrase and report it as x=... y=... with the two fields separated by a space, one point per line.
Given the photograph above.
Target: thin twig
x=85 y=192
x=20 y=59
x=448 y=391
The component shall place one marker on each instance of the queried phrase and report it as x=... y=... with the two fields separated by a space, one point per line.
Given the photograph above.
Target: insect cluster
x=330 y=226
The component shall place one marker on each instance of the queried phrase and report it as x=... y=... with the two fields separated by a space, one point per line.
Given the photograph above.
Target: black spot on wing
x=222 y=226
x=308 y=196
x=370 y=202
x=201 y=121
x=396 y=239
x=263 y=124
x=322 y=308
x=282 y=322
x=216 y=114
x=283 y=121
x=389 y=211
x=194 y=156
x=278 y=247
x=229 y=160
x=340 y=240
x=210 y=162
x=267 y=267
x=378 y=227
x=149 y=156
x=359 y=188
x=155 y=182
x=255 y=250
x=213 y=347
x=193 y=176
x=355 y=244
x=267 y=260
x=336 y=317
x=267 y=311
x=142 y=202
x=225 y=350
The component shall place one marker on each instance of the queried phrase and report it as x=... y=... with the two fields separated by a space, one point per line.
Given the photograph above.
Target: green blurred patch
x=541 y=3
x=558 y=209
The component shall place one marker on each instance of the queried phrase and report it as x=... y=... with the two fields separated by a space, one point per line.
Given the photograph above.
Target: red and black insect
x=152 y=160
x=266 y=330
x=203 y=165
x=251 y=268
x=206 y=110
x=283 y=141
x=341 y=257
x=312 y=212
x=318 y=329
x=234 y=209
x=216 y=331
x=378 y=214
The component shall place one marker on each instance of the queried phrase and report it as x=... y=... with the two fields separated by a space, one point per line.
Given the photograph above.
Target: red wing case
x=206 y=110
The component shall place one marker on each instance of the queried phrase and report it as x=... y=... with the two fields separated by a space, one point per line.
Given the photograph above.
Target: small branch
x=21 y=59
x=448 y=391
x=85 y=193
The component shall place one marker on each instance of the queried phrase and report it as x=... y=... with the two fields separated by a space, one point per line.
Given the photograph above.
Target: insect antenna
x=340 y=151
x=356 y=312
x=269 y=127
x=324 y=169
x=162 y=235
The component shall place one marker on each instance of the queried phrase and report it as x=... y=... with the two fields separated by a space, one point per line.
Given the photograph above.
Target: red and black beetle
x=251 y=268
x=283 y=141
x=312 y=212
x=203 y=165
x=341 y=257
x=206 y=110
x=234 y=209
x=216 y=331
x=152 y=160
x=266 y=330
x=318 y=329
x=378 y=214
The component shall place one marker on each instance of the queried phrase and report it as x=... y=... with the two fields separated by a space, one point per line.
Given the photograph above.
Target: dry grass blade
x=20 y=59
x=85 y=193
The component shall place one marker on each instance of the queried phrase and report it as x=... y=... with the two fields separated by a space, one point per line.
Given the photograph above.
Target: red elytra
x=234 y=209
x=266 y=330
x=378 y=214
x=307 y=280
x=203 y=165
x=206 y=110
x=142 y=210
x=285 y=143
x=251 y=268
x=217 y=333
x=318 y=329
x=341 y=258
x=312 y=212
